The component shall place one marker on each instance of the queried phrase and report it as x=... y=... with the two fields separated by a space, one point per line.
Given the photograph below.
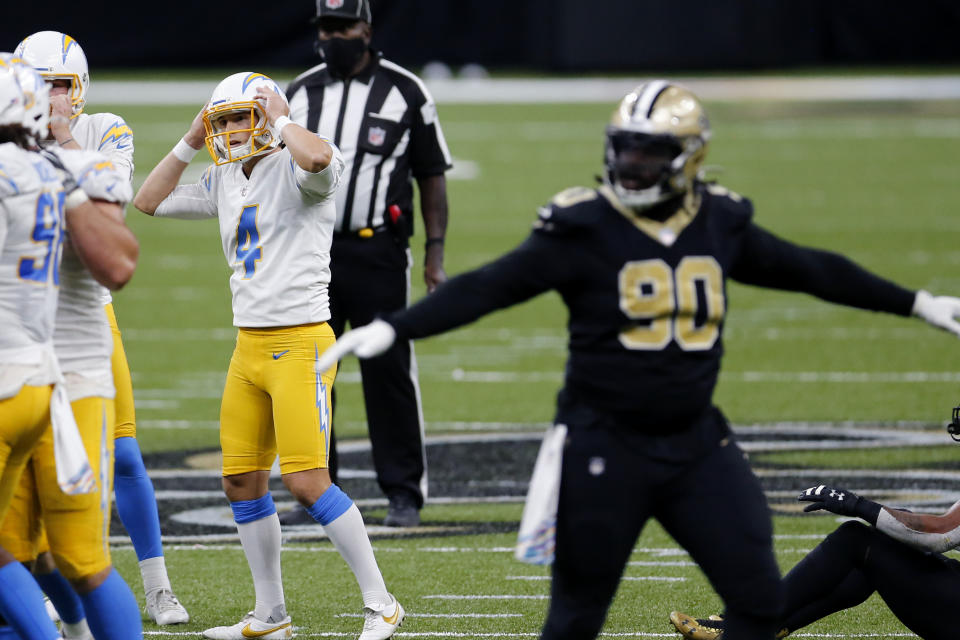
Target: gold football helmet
x=656 y=142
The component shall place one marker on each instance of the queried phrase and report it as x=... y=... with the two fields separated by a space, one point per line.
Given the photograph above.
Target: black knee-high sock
x=828 y=579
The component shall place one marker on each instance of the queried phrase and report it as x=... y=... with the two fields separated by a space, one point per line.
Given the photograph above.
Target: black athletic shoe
x=297 y=515
x=402 y=512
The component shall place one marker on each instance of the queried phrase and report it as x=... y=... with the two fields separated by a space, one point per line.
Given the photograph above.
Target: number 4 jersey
x=276 y=228
x=646 y=298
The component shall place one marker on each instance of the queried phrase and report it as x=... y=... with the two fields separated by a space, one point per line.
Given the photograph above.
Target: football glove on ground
x=840 y=502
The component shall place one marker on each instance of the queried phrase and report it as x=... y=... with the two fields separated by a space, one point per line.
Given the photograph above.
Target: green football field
x=876 y=181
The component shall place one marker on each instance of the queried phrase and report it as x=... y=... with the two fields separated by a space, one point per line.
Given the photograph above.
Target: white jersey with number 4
x=276 y=228
x=82 y=338
x=31 y=237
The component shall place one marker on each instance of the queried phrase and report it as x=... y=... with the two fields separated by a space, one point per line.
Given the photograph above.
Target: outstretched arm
x=537 y=265
x=166 y=175
x=768 y=261
x=936 y=533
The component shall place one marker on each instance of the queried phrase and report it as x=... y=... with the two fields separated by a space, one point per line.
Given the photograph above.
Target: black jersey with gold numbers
x=647 y=299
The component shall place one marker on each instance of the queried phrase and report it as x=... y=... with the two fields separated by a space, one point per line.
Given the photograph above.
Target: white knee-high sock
x=261 y=545
x=349 y=536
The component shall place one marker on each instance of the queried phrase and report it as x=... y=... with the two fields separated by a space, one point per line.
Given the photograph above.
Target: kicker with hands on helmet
x=641 y=262
x=899 y=556
x=61 y=62
x=272 y=187
x=40 y=192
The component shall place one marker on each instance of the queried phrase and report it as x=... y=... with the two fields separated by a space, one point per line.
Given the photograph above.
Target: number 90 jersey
x=31 y=237
x=276 y=229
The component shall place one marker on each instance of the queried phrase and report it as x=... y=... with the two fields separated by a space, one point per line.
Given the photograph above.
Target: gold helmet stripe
x=649 y=93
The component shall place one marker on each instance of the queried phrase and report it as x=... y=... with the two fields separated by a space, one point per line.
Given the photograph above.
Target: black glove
x=841 y=502
x=69 y=182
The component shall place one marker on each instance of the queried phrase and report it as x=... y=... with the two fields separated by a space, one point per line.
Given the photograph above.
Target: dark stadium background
x=535 y=35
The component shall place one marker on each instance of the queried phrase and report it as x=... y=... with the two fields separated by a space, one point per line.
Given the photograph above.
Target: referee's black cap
x=355 y=9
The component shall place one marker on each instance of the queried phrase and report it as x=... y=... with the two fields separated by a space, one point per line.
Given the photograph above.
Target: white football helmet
x=36 y=95
x=58 y=56
x=236 y=94
x=665 y=120
x=11 y=97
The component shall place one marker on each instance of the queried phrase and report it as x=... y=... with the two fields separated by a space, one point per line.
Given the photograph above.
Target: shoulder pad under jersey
x=730 y=204
x=570 y=209
x=113 y=133
x=97 y=175
x=23 y=171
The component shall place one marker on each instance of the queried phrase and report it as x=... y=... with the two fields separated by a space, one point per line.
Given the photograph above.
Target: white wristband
x=184 y=152
x=75 y=198
x=280 y=123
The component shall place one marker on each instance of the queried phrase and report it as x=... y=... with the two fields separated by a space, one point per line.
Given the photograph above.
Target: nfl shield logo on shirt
x=376 y=136
x=334 y=4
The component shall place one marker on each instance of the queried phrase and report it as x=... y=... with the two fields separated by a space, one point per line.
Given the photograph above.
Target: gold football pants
x=275 y=402
x=126 y=426
x=78 y=527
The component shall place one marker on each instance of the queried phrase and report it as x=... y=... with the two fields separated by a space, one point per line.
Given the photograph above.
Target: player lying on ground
x=900 y=557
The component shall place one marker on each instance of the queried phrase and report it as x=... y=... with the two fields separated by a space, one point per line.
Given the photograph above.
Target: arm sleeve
x=429 y=155
x=187 y=202
x=3 y=224
x=768 y=261
x=924 y=541
x=117 y=143
x=537 y=265
x=323 y=184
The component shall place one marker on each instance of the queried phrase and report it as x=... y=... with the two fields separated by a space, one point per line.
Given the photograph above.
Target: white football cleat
x=252 y=627
x=164 y=608
x=383 y=623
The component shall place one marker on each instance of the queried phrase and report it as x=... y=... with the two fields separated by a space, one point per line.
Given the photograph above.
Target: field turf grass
x=875 y=181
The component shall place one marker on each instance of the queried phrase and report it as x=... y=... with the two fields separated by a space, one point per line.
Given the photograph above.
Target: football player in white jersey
x=78 y=525
x=60 y=59
x=273 y=187
x=31 y=221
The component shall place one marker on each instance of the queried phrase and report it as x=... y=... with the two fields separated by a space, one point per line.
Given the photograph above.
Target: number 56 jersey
x=646 y=298
x=276 y=228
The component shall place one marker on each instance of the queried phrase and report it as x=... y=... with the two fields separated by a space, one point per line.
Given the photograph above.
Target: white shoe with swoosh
x=252 y=627
x=383 y=623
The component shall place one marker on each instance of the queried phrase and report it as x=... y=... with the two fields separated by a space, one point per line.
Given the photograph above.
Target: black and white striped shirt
x=385 y=123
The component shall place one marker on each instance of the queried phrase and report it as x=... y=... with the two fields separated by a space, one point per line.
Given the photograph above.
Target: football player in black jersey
x=900 y=557
x=641 y=263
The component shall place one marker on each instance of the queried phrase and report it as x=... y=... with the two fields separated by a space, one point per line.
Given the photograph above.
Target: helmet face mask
x=233 y=102
x=57 y=56
x=655 y=144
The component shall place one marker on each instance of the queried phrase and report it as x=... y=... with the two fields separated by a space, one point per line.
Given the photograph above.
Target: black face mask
x=341 y=54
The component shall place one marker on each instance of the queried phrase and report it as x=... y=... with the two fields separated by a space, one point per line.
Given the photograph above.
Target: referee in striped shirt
x=384 y=121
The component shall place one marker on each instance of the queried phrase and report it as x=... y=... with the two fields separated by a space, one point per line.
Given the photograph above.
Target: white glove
x=941 y=311
x=367 y=341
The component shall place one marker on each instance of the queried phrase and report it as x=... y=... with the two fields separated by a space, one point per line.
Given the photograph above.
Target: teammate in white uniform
x=31 y=223
x=61 y=60
x=79 y=524
x=275 y=205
